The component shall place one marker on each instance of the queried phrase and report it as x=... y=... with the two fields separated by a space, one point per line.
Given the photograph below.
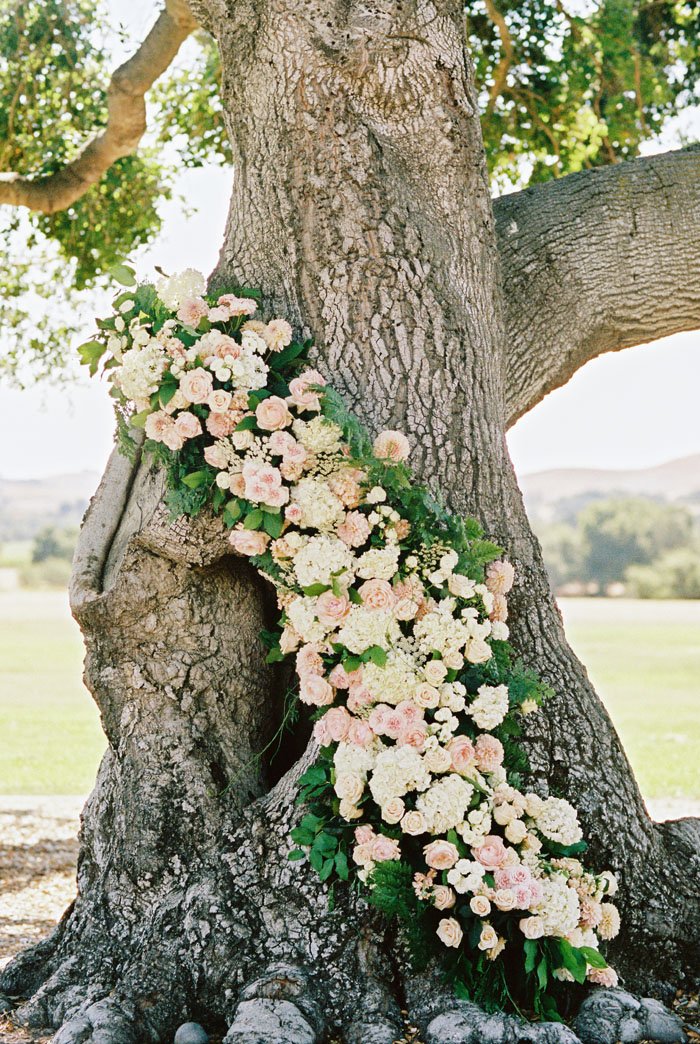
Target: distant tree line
x=638 y=546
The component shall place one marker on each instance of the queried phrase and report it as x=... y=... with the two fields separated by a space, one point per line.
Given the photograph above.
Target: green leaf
x=316 y=860
x=166 y=392
x=195 y=479
x=123 y=274
x=279 y=360
x=273 y=525
x=351 y=663
x=275 y=655
x=542 y=973
x=326 y=870
x=530 y=950
x=232 y=512
x=138 y=420
x=341 y=866
x=90 y=354
x=296 y=854
x=247 y=424
x=315 y=589
x=572 y=959
x=375 y=654
x=593 y=957
x=253 y=519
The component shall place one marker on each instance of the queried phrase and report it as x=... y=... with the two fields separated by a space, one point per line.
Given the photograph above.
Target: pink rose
x=491 y=853
x=191 y=310
x=158 y=424
x=384 y=848
x=354 y=530
x=359 y=697
x=341 y=679
x=248 y=541
x=187 y=425
x=315 y=690
x=391 y=445
x=300 y=394
x=441 y=855
x=413 y=736
x=216 y=456
x=332 y=609
x=410 y=713
x=263 y=484
x=603 y=977
x=462 y=752
x=499 y=613
x=219 y=401
x=360 y=733
x=377 y=594
x=321 y=733
x=172 y=439
x=414 y=823
x=364 y=835
x=449 y=932
x=377 y=719
x=489 y=753
x=293 y=513
x=272 y=414
x=196 y=385
x=338 y=722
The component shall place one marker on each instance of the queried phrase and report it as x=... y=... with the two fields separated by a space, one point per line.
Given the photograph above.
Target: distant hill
x=560 y=492
x=26 y=506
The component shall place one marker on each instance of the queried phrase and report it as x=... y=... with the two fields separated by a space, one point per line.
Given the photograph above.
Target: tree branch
x=499 y=78
x=596 y=262
x=126 y=120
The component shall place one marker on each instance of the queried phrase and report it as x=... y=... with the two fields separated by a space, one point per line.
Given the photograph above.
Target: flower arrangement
x=395 y=612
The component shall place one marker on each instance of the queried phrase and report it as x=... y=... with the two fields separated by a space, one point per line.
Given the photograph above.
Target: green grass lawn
x=50 y=736
x=643 y=657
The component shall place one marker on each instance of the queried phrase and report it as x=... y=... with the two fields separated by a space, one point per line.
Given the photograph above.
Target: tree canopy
x=563 y=86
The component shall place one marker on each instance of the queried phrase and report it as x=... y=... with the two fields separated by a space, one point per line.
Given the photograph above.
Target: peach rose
x=414 y=823
x=413 y=736
x=435 y=672
x=384 y=848
x=426 y=696
x=331 y=609
x=237 y=305
x=263 y=484
x=338 y=722
x=248 y=541
x=491 y=853
x=354 y=529
x=532 y=927
x=505 y=899
x=360 y=733
x=222 y=424
x=441 y=855
x=462 y=753
x=603 y=977
x=219 y=401
x=308 y=661
x=443 y=897
x=391 y=445
x=272 y=414
x=393 y=811
x=315 y=690
x=488 y=938
x=196 y=385
x=449 y=932
x=301 y=395
x=187 y=425
x=158 y=424
x=377 y=594
x=480 y=905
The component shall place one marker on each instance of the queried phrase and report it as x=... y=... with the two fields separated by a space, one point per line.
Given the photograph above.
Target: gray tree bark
x=361 y=208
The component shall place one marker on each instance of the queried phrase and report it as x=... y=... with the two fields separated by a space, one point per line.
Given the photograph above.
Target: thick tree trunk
x=361 y=208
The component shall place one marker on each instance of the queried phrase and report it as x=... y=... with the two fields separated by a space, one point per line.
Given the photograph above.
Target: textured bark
x=126 y=120
x=361 y=208
x=596 y=262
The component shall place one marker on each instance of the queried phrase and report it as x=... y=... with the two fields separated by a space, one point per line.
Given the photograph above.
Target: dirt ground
x=38 y=853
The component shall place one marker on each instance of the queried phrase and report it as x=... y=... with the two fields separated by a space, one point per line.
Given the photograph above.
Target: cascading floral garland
x=395 y=611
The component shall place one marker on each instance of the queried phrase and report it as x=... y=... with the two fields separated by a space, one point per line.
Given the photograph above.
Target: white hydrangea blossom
x=489 y=707
x=558 y=821
x=248 y=371
x=559 y=908
x=398 y=771
x=394 y=682
x=445 y=803
x=379 y=563
x=439 y=630
x=141 y=371
x=175 y=288
x=466 y=876
x=364 y=628
x=301 y=615
x=318 y=435
x=320 y=508
x=321 y=559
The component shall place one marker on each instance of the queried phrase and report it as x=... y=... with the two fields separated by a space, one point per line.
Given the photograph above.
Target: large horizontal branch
x=595 y=262
x=126 y=120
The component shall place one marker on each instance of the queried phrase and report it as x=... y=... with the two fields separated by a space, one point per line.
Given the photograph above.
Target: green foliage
x=52 y=542
x=578 y=86
x=675 y=574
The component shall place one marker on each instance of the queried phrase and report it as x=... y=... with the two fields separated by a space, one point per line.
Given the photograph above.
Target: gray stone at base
x=191 y=1033
x=609 y=1016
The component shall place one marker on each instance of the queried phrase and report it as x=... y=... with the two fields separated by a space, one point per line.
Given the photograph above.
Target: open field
x=644 y=658
x=50 y=736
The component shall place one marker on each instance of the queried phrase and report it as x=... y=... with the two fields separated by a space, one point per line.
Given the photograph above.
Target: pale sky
x=629 y=410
